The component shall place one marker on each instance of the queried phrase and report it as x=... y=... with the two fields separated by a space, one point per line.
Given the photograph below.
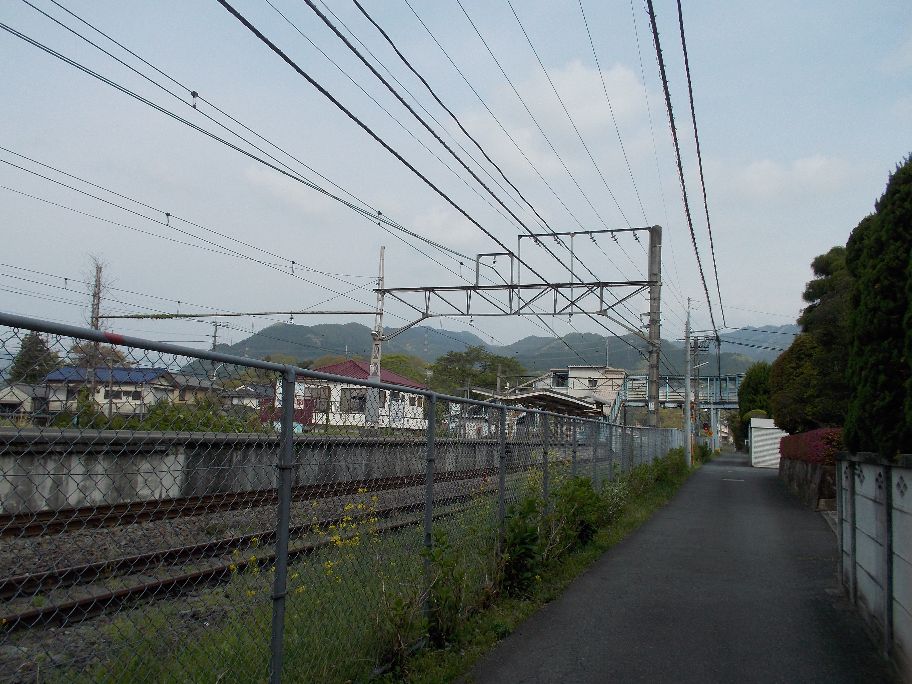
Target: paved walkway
x=733 y=581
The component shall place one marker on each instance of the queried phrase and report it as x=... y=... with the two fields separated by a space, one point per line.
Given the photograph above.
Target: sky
x=803 y=109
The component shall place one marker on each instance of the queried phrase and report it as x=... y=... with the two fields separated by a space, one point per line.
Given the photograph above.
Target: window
x=354 y=400
x=593 y=383
x=136 y=396
x=395 y=397
x=413 y=400
x=559 y=380
x=420 y=401
x=113 y=395
x=382 y=398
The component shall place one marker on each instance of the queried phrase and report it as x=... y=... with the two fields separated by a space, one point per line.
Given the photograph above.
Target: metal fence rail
x=174 y=514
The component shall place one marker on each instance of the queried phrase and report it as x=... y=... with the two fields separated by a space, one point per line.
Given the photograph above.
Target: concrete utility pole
x=372 y=407
x=95 y=322
x=688 y=455
x=655 y=338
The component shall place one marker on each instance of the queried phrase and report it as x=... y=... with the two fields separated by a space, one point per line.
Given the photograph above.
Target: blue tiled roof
x=103 y=374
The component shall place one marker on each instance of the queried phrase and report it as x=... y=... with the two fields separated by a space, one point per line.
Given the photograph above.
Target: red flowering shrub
x=816 y=446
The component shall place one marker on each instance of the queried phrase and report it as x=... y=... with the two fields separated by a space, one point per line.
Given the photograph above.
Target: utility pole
x=688 y=455
x=95 y=323
x=215 y=327
x=372 y=408
x=655 y=338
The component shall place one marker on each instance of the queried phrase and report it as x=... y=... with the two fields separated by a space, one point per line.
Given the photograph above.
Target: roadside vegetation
x=371 y=602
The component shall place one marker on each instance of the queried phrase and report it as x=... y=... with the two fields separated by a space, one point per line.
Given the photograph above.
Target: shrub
x=816 y=446
x=521 y=556
x=576 y=515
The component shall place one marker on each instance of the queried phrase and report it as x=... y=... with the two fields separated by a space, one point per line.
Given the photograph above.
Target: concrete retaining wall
x=52 y=469
x=813 y=483
x=874 y=502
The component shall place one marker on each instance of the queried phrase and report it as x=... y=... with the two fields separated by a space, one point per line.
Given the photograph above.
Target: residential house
x=20 y=401
x=191 y=388
x=319 y=402
x=117 y=391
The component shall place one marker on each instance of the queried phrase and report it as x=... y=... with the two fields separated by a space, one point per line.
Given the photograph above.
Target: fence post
x=501 y=475
x=609 y=447
x=853 y=548
x=284 y=477
x=887 y=549
x=573 y=447
x=545 y=445
x=597 y=457
x=431 y=456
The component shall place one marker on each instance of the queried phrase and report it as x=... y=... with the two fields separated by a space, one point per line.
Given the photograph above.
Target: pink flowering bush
x=816 y=446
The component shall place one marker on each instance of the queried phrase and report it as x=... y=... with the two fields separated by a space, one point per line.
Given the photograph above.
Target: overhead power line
x=379 y=218
x=569 y=117
x=693 y=116
x=677 y=148
x=617 y=129
x=365 y=210
x=453 y=116
x=367 y=129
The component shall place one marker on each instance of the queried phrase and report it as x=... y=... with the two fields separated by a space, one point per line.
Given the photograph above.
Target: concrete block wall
x=51 y=469
x=874 y=502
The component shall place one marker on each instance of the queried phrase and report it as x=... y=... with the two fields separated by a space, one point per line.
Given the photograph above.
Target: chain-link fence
x=175 y=515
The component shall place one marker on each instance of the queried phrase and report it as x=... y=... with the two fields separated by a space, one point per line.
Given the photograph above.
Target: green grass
x=505 y=614
x=357 y=608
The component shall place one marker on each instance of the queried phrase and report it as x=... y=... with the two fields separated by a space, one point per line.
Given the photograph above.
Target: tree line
x=851 y=364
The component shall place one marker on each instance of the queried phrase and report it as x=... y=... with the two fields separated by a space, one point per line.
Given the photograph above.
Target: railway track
x=31 y=524
x=100 y=603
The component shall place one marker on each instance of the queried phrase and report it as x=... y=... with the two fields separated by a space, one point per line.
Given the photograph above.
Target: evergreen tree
x=475 y=366
x=34 y=360
x=808 y=387
x=754 y=392
x=879 y=373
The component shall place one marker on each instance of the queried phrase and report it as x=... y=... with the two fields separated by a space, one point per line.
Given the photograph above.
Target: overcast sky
x=803 y=110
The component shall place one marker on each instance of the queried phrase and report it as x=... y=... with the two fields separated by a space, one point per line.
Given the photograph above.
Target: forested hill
x=763 y=343
x=309 y=343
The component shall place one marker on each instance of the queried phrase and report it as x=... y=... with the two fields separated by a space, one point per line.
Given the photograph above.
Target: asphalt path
x=732 y=581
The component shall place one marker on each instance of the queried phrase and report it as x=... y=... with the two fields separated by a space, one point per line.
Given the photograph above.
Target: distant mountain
x=763 y=343
x=313 y=341
x=534 y=353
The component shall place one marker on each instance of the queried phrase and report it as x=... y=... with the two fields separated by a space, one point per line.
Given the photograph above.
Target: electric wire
x=278 y=51
x=655 y=153
x=677 y=148
x=144 y=100
x=569 y=117
x=617 y=129
x=370 y=213
x=693 y=115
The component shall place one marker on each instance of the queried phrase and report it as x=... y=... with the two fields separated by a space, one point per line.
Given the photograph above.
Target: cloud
x=580 y=88
x=900 y=59
x=766 y=179
x=312 y=202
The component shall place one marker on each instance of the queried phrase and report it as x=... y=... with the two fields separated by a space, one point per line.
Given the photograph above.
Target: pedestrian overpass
x=712 y=394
